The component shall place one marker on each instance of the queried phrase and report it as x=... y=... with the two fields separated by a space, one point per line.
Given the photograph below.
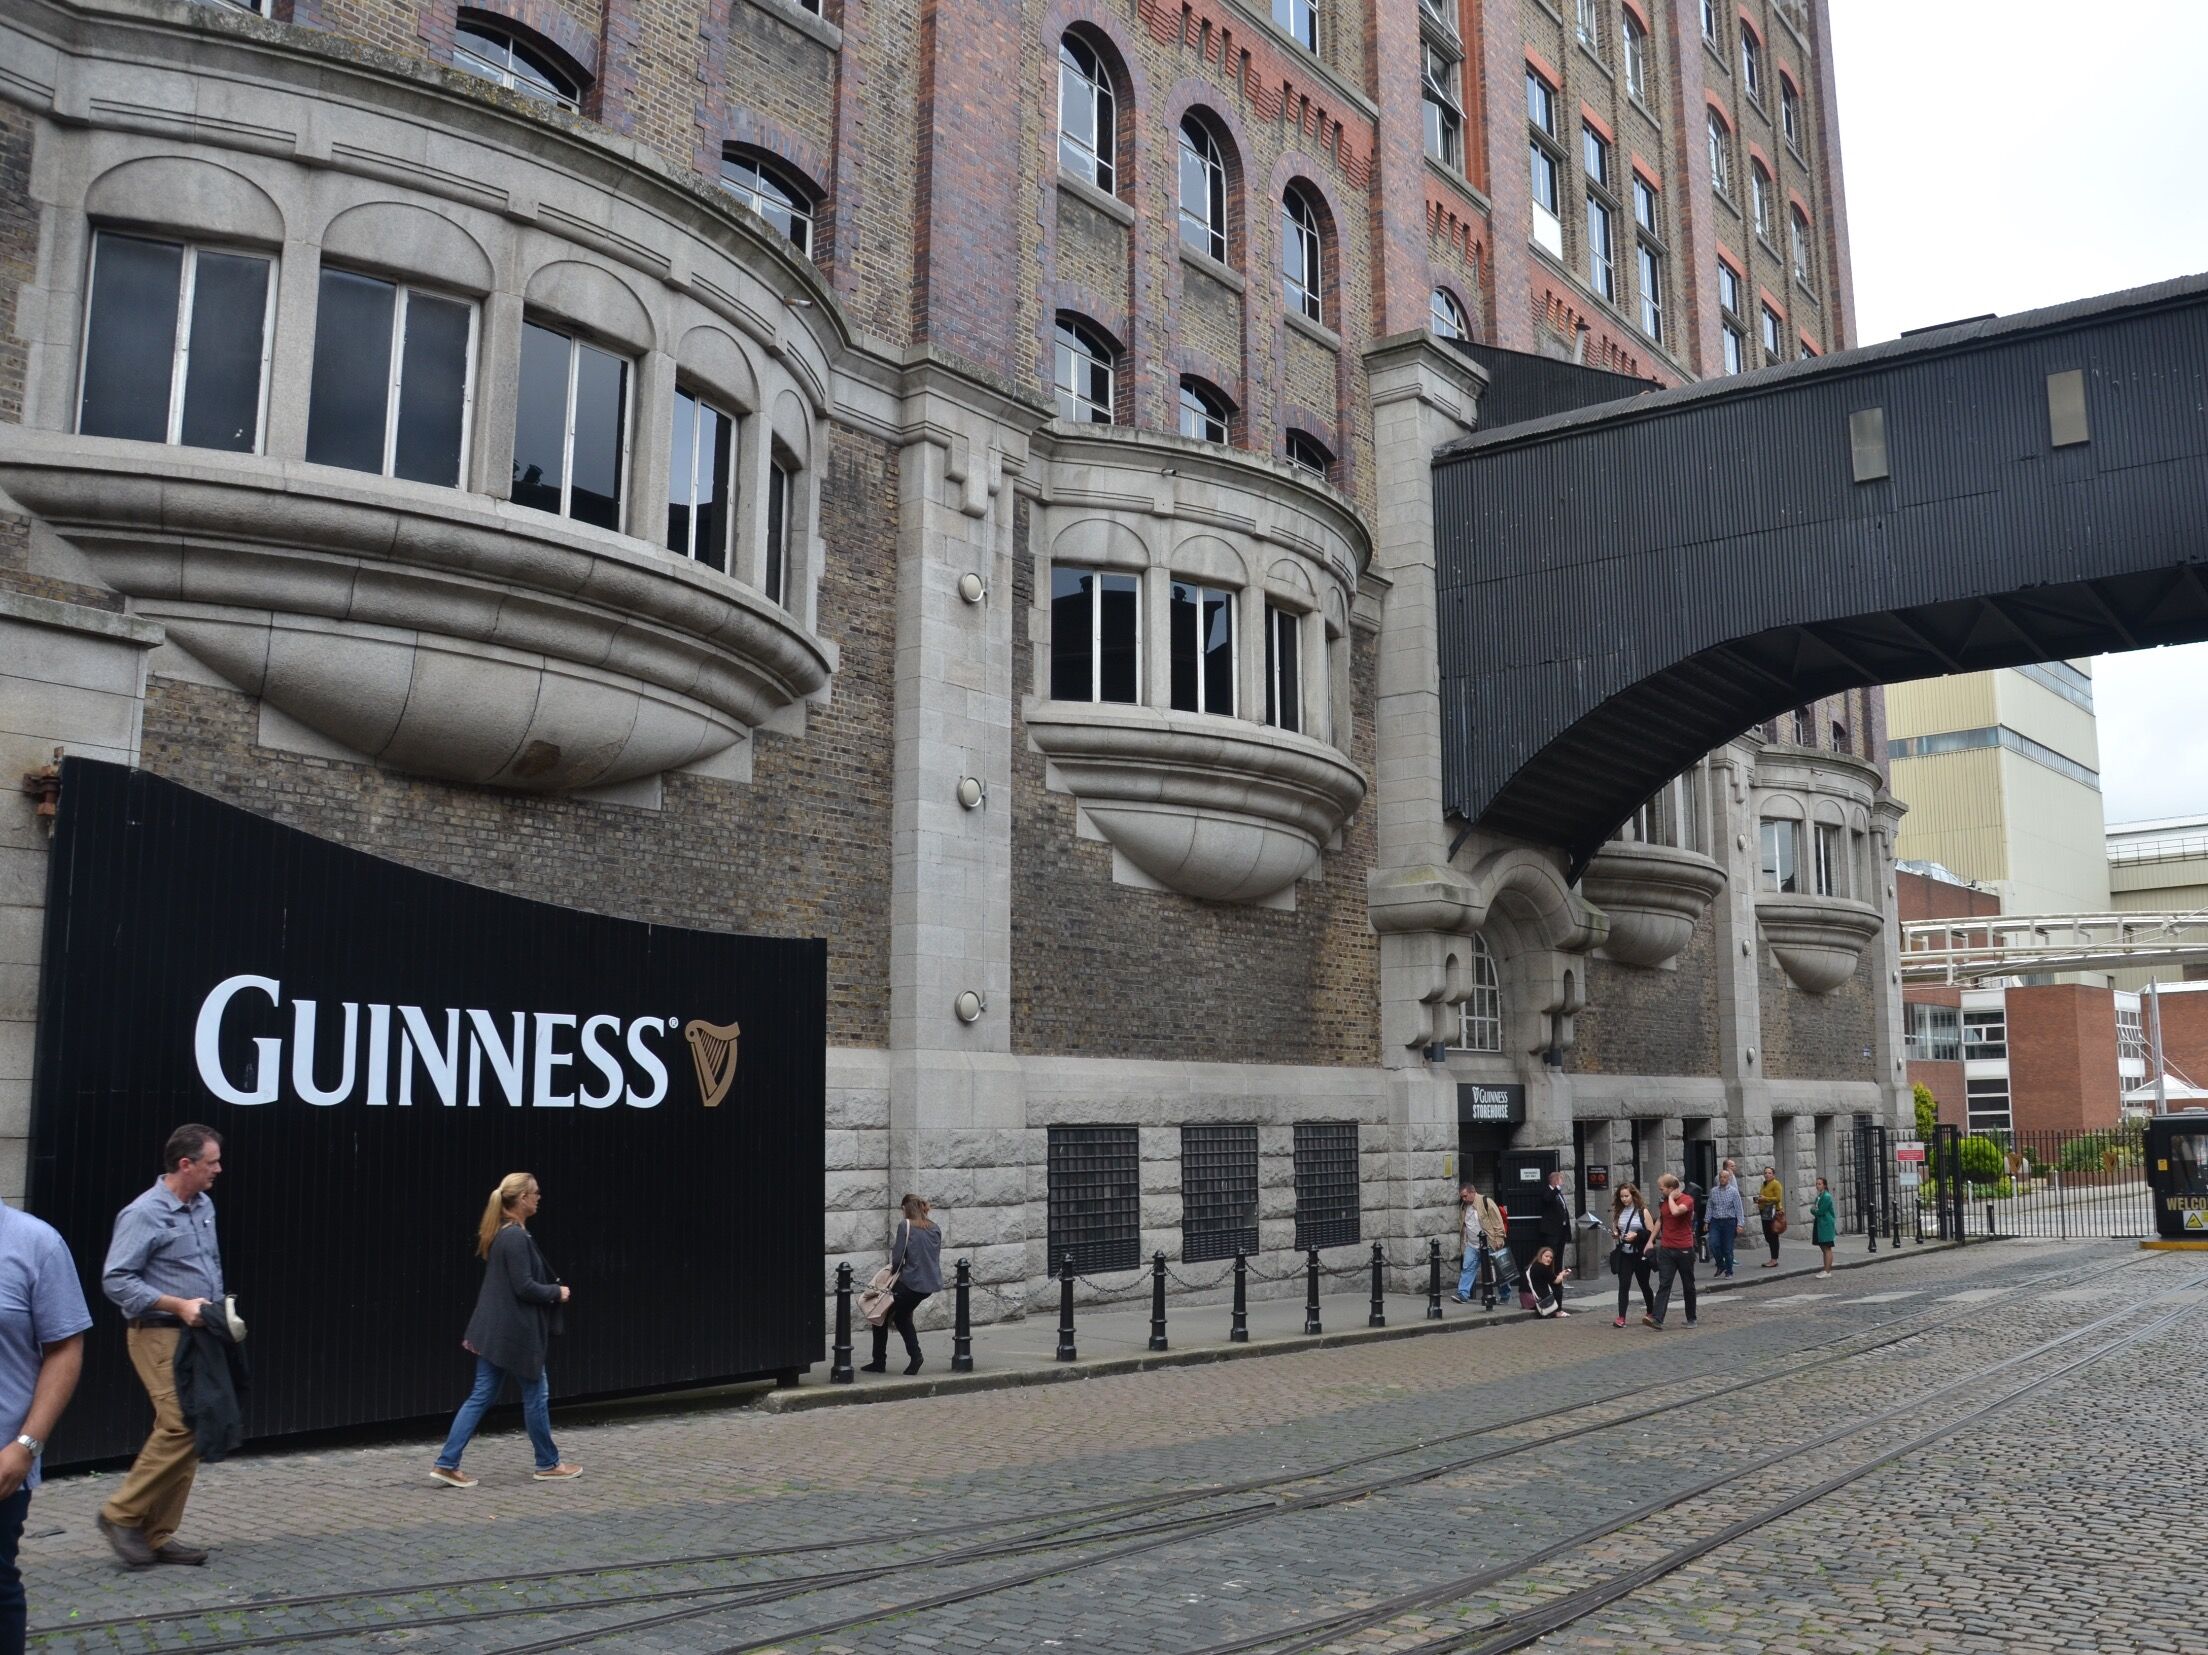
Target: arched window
x=497 y=52
x=773 y=194
x=1759 y=198
x=1751 y=63
x=1306 y=453
x=1084 y=376
x=1087 y=116
x=1798 y=234
x=1299 y=255
x=1204 y=413
x=1203 y=190
x=1790 y=113
x=1449 y=321
x=1721 y=152
x=1480 y=1018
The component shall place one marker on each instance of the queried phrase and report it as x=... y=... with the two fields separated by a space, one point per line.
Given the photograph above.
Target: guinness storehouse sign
x=378 y=1047
x=1479 y=1105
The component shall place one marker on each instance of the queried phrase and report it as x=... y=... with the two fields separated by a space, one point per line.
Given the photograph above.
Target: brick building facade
x=1053 y=628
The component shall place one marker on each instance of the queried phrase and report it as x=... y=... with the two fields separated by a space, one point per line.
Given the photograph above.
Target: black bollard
x=1239 y=1332
x=1379 y=1316
x=962 y=1320
x=839 y=1367
x=1157 y=1301
x=1433 y=1281
x=1066 y=1352
x=1311 y=1292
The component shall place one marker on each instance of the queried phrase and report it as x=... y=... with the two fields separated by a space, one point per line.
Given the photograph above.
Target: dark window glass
x=778 y=529
x=717 y=488
x=540 y=419
x=433 y=391
x=351 y=398
x=1202 y=620
x=1085 y=118
x=1119 y=666
x=1283 y=679
x=1072 y=635
x=1093 y=1213
x=222 y=376
x=682 y=473
x=601 y=395
x=130 y=338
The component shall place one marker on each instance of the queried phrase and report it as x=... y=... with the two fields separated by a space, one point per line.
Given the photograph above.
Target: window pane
x=222 y=383
x=1184 y=617
x=433 y=391
x=1119 y=666
x=681 y=473
x=1072 y=643
x=1283 y=678
x=130 y=339
x=601 y=387
x=1218 y=652
x=778 y=529
x=352 y=368
x=540 y=419
x=717 y=492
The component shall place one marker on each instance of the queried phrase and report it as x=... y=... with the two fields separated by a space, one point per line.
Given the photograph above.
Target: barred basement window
x=1326 y=1184
x=176 y=344
x=1095 y=636
x=500 y=55
x=393 y=379
x=701 y=481
x=1202 y=642
x=571 y=428
x=1218 y=1192
x=1095 y=1198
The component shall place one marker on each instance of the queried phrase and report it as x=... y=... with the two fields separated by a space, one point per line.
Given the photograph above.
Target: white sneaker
x=1822 y=1274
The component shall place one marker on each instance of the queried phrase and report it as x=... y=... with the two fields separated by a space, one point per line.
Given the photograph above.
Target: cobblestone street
x=1462 y=1491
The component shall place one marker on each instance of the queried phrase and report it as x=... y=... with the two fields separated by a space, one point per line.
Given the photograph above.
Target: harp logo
x=713 y=1052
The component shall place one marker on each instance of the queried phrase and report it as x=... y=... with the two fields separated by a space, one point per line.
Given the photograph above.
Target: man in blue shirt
x=163 y=1268
x=42 y=1323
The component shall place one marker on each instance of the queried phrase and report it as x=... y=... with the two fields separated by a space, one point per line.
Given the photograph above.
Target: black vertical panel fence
x=665 y=1086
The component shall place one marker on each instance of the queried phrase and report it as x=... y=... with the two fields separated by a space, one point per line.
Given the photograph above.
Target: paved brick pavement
x=2026 y=1533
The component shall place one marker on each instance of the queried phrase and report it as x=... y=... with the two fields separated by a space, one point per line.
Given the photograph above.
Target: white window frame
x=1759 y=198
x=735 y=465
x=1207 y=411
x=1721 y=154
x=1602 y=247
x=1299 y=21
x=1480 y=1016
x=1828 y=840
x=1713 y=23
x=1232 y=605
x=1773 y=332
x=1650 y=278
x=1797 y=231
x=1303 y=288
x=1096 y=634
x=781 y=492
x=575 y=344
x=1214 y=163
x=1098 y=167
x=1751 y=67
x=1438 y=72
x=1304 y=453
x=1086 y=336
x=1284 y=687
x=1776 y=834
x=181 y=345
x=1790 y=115
x=1587 y=17
x=1990 y=1024
x=1447 y=317
x=1934 y=1033
x=753 y=200
x=471 y=61
x=1634 y=40
x=392 y=384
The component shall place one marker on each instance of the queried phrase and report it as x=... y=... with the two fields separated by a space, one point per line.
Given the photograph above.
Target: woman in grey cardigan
x=917 y=1257
x=508 y=1333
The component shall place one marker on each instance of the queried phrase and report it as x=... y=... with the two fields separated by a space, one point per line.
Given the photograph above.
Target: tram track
x=1063 y=1528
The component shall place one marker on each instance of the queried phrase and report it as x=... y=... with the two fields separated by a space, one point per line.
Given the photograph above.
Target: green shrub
x=2096 y=1151
x=1928 y=1111
x=1983 y=1159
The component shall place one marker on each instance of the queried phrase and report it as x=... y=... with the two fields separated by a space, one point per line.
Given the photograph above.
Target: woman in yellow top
x=1771 y=1207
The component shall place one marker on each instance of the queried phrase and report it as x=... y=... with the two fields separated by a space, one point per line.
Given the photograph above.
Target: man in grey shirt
x=42 y=1323
x=163 y=1268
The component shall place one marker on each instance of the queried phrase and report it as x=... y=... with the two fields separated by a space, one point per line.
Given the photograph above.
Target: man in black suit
x=1556 y=1223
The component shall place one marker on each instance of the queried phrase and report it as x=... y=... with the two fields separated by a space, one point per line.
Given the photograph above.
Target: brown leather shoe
x=129 y=1544
x=175 y=1551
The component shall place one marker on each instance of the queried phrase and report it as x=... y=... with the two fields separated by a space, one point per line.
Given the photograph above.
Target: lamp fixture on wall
x=969 y=1006
x=971 y=793
x=972 y=587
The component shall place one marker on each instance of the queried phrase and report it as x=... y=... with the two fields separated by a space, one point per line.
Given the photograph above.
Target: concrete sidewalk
x=1115 y=1338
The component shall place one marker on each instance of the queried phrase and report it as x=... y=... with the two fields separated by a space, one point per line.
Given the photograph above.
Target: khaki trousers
x=152 y=1497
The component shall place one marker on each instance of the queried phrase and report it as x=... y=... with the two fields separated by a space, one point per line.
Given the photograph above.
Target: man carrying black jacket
x=1556 y=1222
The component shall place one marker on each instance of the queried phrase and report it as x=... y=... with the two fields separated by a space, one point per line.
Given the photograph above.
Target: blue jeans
x=1722 y=1234
x=13 y=1510
x=536 y=1414
x=1470 y=1274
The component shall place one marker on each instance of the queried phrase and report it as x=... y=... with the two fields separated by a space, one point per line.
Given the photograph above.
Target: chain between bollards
x=962 y=1321
x=839 y=1367
x=1311 y=1292
x=1433 y=1281
x=1157 y=1300
x=1239 y=1332
x=1066 y=1352
x=1379 y=1316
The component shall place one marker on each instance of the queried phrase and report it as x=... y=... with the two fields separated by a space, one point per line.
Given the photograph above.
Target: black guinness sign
x=1480 y=1105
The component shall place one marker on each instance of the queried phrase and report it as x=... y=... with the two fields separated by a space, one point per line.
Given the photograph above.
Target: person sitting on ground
x=1545 y=1280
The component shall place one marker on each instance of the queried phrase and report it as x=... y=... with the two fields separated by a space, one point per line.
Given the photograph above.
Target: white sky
x=1997 y=160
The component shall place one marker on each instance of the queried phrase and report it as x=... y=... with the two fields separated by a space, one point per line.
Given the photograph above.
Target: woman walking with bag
x=509 y=1332
x=1824 y=1225
x=1771 y=1208
x=916 y=1263
x=1631 y=1230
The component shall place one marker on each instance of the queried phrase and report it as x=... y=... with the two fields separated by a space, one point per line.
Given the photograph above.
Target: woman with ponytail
x=508 y=1333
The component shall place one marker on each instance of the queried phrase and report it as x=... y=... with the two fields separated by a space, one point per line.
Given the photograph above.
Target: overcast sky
x=2004 y=157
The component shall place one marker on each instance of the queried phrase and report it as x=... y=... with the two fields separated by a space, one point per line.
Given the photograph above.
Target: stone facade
x=1125 y=910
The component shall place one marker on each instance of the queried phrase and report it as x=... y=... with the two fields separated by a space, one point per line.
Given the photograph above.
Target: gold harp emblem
x=713 y=1050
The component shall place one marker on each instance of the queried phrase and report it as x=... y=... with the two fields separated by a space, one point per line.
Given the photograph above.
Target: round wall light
x=969 y=1006
x=971 y=792
x=972 y=587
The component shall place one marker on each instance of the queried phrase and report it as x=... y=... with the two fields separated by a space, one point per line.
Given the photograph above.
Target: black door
x=1520 y=1174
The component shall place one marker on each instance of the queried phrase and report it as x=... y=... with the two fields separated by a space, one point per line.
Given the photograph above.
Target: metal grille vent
x=1326 y=1183
x=1095 y=1197
x=1218 y=1192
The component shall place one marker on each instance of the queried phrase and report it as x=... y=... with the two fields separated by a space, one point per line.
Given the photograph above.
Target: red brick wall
x=1918 y=897
x=2184 y=1034
x=2062 y=1058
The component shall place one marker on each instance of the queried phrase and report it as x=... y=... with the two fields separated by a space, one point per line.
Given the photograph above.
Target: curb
x=806 y=1398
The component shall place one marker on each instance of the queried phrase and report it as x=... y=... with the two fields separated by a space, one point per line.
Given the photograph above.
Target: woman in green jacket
x=1824 y=1225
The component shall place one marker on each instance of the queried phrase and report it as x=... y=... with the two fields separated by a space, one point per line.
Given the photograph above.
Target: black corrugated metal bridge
x=1625 y=587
